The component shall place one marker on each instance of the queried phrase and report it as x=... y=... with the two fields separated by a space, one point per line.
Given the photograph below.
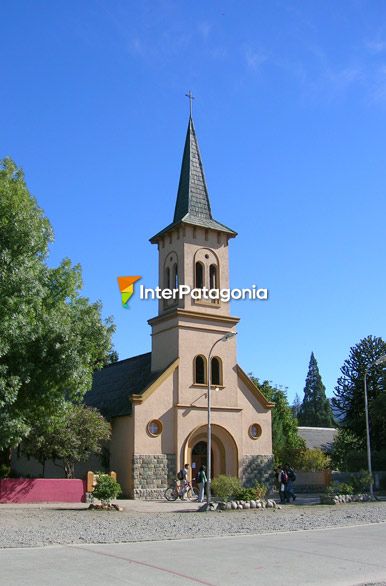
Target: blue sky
x=290 y=113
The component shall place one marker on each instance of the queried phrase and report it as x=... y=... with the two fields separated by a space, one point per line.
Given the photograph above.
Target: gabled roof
x=253 y=388
x=114 y=385
x=192 y=205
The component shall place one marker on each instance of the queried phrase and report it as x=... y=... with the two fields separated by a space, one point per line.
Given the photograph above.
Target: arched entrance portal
x=224 y=451
x=200 y=456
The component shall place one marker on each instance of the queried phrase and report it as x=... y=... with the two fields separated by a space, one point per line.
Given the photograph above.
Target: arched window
x=175 y=276
x=199 y=275
x=216 y=371
x=167 y=278
x=213 y=277
x=199 y=370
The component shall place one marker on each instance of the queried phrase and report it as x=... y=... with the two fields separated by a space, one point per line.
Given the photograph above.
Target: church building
x=157 y=402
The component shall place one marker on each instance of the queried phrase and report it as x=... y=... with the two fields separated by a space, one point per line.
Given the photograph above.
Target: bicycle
x=174 y=492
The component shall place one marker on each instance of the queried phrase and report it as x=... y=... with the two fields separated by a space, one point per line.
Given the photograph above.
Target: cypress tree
x=315 y=410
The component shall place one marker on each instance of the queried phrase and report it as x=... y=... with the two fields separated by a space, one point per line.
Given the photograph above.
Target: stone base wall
x=256 y=469
x=152 y=475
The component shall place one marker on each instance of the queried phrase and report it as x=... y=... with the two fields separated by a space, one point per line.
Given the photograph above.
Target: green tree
x=345 y=444
x=287 y=445
x=349 y=391
x=315 y=410
x=378 y=420
x=71 y=435
x=24 y=238
x=51 y=338
x=112 y=357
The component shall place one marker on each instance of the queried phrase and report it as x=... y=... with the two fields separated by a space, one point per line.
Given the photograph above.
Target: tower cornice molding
x=186 y=313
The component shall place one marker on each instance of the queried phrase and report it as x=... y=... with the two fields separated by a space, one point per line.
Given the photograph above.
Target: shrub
x=229 y=487
x=224 y=487
x=5 y=471
x=361 y=482
x=245 y=494
x=250 y=494
x=313 y=460
x=260 y=490
x=346 y=488
x=106 y=489
x=340 y=488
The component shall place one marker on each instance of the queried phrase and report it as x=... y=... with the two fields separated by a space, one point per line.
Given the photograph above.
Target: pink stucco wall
x=42 y=490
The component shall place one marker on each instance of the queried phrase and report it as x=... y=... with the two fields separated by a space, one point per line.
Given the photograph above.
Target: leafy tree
x=24 y=237
x=112 y=357
x=71 y=435
x=349 y=391
x=287 y=445
x=378 y=420
x=315 y=410
x=51 y=338
x=344 y=443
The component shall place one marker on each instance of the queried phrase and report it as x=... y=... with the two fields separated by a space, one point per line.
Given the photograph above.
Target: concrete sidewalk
x=330 y=556
x=139 y=506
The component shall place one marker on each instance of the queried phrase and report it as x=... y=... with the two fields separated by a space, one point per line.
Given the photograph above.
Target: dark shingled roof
x=192 y=205
x=113 y=385
x=192 y=196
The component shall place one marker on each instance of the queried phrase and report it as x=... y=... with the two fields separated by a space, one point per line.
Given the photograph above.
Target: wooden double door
x=200 y=458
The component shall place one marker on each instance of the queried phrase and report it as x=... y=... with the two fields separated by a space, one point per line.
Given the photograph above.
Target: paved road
x=345 y=556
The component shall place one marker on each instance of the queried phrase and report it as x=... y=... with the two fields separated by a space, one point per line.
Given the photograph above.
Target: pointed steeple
x=192 y=196
x=192 y=205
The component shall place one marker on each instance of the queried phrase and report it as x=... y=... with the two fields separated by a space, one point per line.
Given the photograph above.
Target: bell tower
x=193 y=251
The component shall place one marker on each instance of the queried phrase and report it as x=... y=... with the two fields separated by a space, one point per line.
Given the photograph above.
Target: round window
x=154 y=427
x=255 y=431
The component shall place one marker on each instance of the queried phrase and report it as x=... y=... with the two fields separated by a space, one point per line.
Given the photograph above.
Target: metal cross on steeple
x=191 y=98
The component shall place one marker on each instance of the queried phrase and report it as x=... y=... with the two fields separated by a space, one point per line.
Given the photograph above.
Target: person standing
x=183 y=478
x=282 y=480
x=289 y=488
x=201 y=480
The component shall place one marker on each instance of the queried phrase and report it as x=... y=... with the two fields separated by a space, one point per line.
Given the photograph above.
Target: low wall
x=379 y=478
x=42 y=490
x=312 y=481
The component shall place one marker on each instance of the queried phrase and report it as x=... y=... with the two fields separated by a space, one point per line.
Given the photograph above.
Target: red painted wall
x=42 y=490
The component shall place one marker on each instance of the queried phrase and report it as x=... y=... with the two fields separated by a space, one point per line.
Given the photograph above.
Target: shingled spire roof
x=192 y=197
x=192 y=205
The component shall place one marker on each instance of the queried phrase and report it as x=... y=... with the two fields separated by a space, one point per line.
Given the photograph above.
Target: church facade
x=158 y=402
